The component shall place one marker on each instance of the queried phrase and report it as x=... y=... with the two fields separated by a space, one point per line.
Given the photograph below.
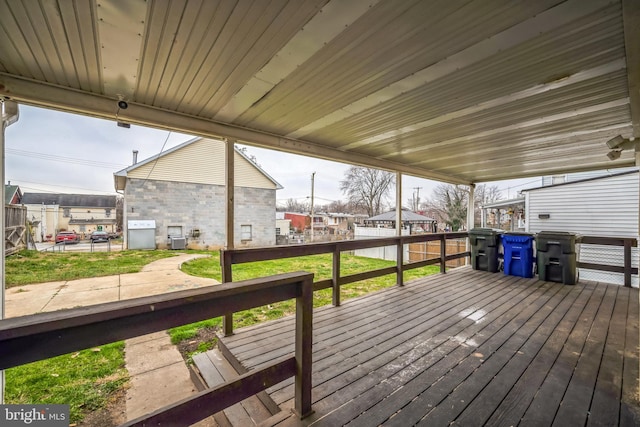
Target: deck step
x=213 y=369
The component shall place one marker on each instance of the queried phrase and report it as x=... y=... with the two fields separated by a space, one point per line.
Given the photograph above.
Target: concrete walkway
x=154 y=381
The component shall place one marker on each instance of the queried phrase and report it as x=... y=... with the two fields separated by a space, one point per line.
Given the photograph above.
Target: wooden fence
x=423 y=251
x=16 y=232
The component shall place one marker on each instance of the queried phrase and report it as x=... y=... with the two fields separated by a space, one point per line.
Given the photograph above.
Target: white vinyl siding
x=600 y=207
x=201 y=162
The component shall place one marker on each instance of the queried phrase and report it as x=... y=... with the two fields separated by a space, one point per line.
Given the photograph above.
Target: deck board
x=468 y=348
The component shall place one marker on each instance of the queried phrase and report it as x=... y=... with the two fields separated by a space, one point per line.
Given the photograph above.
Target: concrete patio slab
x=82 y=298
x=91 y=284
x=166 y=371
x=27 y=306
x=39 y=287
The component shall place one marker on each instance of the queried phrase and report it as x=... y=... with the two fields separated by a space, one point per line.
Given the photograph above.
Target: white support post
x=471 y=208
x=398 y=203
x=8 y=116
x=470 y=214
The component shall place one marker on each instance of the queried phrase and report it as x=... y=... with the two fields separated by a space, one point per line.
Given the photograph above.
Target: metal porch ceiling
x=458 y=90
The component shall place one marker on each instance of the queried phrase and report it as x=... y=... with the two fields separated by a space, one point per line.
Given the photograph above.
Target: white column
x=470 y=207
x=398 y=203
x=313 y=185
x=8 y=116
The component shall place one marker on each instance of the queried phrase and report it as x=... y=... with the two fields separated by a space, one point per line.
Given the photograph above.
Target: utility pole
x=417 y=205
x=313 y=176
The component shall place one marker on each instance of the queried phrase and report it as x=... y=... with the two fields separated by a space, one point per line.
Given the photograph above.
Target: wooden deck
x=467 y=347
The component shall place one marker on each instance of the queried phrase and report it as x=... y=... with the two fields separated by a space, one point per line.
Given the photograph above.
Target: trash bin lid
x=517 y=237
x=556 y=235
x=485 y=231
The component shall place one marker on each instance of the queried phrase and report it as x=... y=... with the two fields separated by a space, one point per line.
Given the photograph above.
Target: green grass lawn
x=28 y=267
x=85 y=380
x=320 y=265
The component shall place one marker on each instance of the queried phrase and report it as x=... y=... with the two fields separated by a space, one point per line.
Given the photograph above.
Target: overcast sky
x=51 y=151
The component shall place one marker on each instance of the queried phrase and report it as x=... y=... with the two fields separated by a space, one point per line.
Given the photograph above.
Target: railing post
x=443 y=253
x=400 y=262
x=303 y=346
x=335 y=277
x=227 y=277
x=627 y=263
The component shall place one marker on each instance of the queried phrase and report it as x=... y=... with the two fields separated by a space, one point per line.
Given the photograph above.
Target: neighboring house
x=183 y=191
x=338 y=223
x=299 y=221
x=82 y=213
x=283 y=227
x=12 y=195
x=600 y=206
x=504 y=214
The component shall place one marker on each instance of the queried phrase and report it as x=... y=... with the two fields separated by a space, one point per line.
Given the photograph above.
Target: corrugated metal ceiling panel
x=466 y=90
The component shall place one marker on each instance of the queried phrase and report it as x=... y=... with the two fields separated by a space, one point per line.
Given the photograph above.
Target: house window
x=245 y=232
x=107 y=213
x=66 y=212
x=277 y=231
x=174 y=231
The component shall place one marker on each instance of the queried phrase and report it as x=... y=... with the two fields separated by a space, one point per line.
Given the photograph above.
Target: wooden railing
x=626 y=242
x=239 y=256
x=44 y=335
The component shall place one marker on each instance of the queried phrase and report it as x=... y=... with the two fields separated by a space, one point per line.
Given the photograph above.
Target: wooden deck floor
x=469 y=348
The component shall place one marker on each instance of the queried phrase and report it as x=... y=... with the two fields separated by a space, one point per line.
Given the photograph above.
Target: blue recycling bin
x=518 y=254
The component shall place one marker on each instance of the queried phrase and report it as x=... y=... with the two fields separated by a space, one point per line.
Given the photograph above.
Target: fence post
x=443 y=253
x=400 y=262
x=227 y=277
x=627 y=263
x=335 y=277
x=303 y=348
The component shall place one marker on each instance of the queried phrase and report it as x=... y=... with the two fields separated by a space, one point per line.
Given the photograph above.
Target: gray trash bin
x=556 y=257
x=485 y=247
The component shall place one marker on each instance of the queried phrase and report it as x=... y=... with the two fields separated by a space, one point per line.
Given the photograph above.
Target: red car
x=67 y=237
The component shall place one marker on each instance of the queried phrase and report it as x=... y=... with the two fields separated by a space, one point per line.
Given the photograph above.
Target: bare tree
x=483 y=195
x=367 y=188
x=292 y=205
x=450 y=203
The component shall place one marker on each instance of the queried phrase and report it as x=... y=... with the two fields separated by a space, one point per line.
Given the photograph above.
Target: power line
x=39 y=190
x=62 y=159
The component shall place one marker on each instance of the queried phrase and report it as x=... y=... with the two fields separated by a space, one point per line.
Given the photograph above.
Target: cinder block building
x=182 y=193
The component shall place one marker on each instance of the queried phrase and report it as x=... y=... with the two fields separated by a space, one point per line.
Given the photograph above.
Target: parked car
x=99 y=236
x=67 y=237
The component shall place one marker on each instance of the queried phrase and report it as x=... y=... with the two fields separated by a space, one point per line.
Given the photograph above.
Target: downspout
x=8 y=116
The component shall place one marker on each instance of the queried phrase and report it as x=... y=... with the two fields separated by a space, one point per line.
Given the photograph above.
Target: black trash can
x=485 y=246
x=556 y=257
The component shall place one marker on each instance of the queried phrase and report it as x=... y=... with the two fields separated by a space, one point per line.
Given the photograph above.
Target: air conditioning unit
x=178 y=242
